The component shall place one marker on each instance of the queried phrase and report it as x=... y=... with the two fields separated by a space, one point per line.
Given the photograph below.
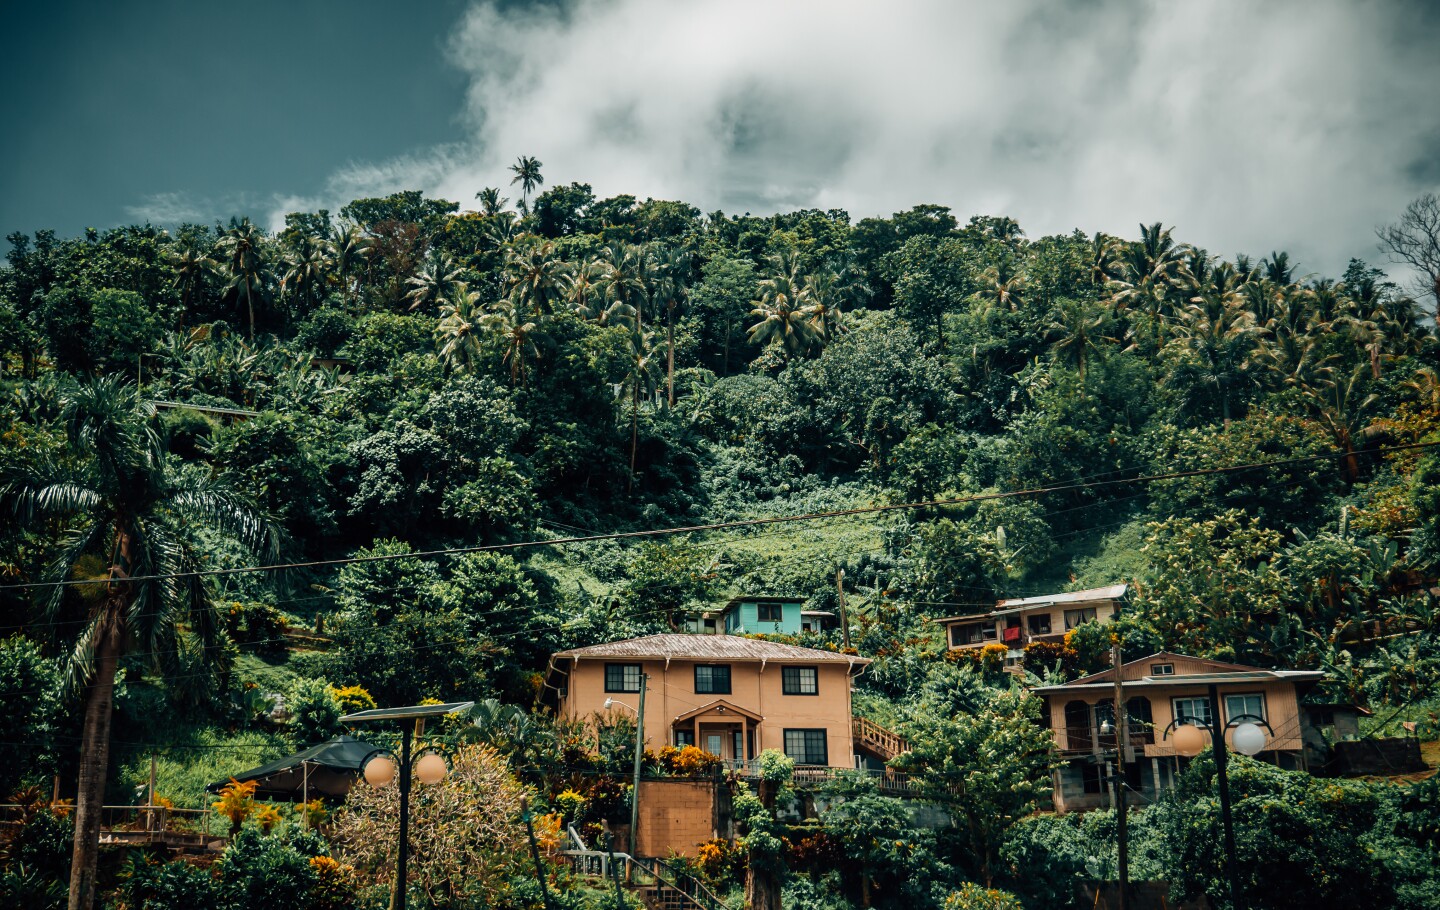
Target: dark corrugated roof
x=709 y=647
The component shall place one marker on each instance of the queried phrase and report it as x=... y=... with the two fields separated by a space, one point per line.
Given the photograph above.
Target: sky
x=1296 y=125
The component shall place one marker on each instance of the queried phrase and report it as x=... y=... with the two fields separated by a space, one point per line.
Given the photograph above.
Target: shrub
x=353 y=698
x=148 y=883
x=314 y=712
x=973 y=897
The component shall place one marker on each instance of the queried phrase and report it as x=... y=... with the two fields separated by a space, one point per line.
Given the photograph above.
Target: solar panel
x=407 y=713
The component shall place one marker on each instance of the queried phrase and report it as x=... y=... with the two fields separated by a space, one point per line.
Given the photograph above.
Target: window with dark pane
x=807 y=747
x=622 y=677
x=712 y=679
x=800 y=680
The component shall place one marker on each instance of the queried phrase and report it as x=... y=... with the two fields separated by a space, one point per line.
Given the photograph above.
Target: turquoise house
x=763 y=616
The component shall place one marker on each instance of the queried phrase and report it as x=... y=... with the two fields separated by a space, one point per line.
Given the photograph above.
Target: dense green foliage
x=408 y=378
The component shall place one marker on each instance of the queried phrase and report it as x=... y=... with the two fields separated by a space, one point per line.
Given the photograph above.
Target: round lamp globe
x=431 y=768
x=1248 y=739
x=379 y=771
x=1188 y=740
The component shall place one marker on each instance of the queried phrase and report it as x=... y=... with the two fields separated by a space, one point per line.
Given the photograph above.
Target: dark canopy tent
x=324 y=770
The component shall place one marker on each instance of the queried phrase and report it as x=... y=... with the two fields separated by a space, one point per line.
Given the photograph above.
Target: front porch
x=720 y=728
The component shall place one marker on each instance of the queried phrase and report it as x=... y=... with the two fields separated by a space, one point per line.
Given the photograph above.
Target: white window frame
x=1179 y=716
x=1231 y=714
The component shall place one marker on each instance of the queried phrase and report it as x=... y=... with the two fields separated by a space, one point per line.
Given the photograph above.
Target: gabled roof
x=681 y=646
x=1220 y=672
x=762 y=598
x=1109 y=592
x=719 y=705
x=1218 y=666
x=1017 y=604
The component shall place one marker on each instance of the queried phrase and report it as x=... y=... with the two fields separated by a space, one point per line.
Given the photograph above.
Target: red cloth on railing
x=1011 y=634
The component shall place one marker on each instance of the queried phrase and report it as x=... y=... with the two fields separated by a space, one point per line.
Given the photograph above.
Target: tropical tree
x=534 y=276
x=672 y=281
x=305 y=268
x=1217 y=344
x=624 y=280
x=513 y=335
x=457 y=336
x=639 y=381
x=1346 y=408
x=527 y=174
x=1075 y=331
x=193 y=265
x=241 y=250
x=349 y=251
x=784 y=307
x=1414 y=240
x=127 y=524
x=1147 y=275
x=491 y=202
x=438 y=280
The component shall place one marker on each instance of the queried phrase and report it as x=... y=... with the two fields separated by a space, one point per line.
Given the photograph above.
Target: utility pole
x=639 y=753
x=844 y=617
x=1122 y=851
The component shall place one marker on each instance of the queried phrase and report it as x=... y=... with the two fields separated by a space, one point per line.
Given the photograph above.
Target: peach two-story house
x=732 y=696
x=1161 y=691
x=1018 y=621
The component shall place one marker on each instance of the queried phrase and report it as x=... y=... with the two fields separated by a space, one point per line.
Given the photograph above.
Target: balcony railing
x=1089 y=739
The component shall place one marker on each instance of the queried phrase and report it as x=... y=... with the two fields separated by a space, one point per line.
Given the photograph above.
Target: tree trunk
x=94 y=761
x=634 y=432
x=670 y=356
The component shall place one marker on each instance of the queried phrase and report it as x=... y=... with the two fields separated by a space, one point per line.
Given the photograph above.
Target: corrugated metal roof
x=1110 y=592
x=709 y=647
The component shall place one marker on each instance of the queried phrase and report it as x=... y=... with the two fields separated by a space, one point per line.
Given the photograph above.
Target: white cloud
x=1293 y=125
x=168 y=209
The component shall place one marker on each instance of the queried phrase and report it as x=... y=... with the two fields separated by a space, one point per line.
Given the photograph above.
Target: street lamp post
x=379 y=770
x=1248 y=740
x=639 y=751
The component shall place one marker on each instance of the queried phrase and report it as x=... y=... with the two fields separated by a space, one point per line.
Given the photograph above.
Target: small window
x=800 y=680
x=684 y=738
x=1039 y=625
x=712 y=679
x=1075 y=618
x=807 y=747
x=1189 y=710
x=1322 y=717
x=1162 y=669
x=971 y=634
x=1243 y=705
x=769 y=612
x=622 y=677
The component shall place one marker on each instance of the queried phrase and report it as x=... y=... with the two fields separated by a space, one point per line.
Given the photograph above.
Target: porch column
x=1155 y=774
x=744 y=738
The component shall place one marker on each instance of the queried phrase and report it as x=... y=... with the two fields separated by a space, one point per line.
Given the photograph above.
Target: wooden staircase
x=876 y=740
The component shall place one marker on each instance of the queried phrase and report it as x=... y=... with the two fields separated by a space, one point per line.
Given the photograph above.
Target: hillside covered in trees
x=363 y=393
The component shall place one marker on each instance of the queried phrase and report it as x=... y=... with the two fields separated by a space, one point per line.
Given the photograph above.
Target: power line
x=724 y=525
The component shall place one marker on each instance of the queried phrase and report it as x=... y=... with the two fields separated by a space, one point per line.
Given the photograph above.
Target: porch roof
x=718 y=706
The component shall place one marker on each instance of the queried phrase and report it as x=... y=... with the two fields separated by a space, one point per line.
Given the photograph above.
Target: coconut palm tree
x=527 y=174
x=534 y=276
x=513 y=335
x=1346 y=408
x=639 y=380
x=826 y=294
x=349 y=250
x=784 y=307
x=1075 y=332
x=1148 y=275
x=193 y=265
x=458 y=337
x=1218 y=339
x=491 y=202
x=672 y=276
x=624 y=279
x=241 y=250
x=1001 y=290
x=580 y=288
x=436 y=281
x=305 y=268
x=129 y=524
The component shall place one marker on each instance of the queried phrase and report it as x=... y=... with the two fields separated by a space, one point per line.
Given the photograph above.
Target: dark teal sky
x=110 y=108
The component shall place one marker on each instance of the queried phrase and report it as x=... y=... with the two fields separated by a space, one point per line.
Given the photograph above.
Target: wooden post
x=150 y=798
